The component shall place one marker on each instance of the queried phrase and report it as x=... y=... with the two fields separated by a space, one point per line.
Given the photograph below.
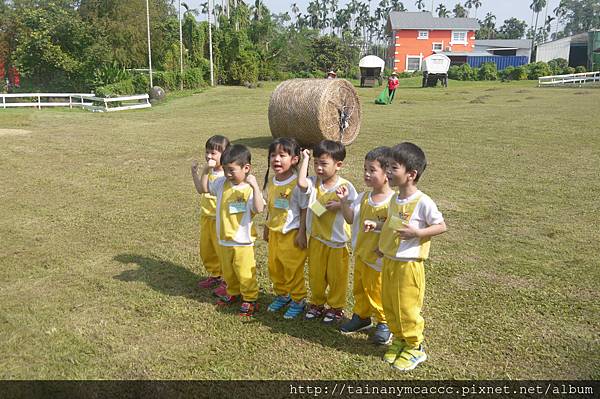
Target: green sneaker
x=409 y=359
x=394 y=350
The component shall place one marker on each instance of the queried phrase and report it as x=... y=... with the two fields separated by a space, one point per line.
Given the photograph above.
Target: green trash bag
x=384 y=98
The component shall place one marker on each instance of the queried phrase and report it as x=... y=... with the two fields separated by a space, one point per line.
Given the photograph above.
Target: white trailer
x=435 y=67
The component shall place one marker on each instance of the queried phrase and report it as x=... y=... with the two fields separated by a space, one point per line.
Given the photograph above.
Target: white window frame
x=441 y=44
x=423 y=35
x=420 y=57
x=463 y=32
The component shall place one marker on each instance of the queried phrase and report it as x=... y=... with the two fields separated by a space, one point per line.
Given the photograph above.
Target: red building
x=415 y=35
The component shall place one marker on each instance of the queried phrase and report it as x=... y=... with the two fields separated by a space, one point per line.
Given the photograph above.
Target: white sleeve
x=356 y=207
x=311 y=185
x=299 y=198
x=216 y=185
x=430 y=212
x=352 y=195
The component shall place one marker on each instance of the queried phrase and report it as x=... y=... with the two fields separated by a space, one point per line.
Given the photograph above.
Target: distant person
x=209 y=245
x=412 y=219
x=331 y=75
x=393 y=83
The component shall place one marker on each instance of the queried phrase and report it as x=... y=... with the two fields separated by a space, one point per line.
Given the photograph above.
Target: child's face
x=375 y=176
x=281 y=161
x=236 y=173
x=399 y=176
x=326 y=167
x=214 y=155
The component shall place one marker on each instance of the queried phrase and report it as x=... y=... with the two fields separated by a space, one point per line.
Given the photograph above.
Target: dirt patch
x=13 y=132
x=530 y=98
x=479 y=100
x=581 y=93
x=492 y=89
x=522 y=91
x=513 y=100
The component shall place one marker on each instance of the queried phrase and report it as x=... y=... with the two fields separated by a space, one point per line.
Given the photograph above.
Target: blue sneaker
x=278 y=303
x=355 y=324
x=295 y=309
x=382 y=335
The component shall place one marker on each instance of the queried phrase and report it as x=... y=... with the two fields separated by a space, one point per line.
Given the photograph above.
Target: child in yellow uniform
x=285 y=228
x=239 y=198
x=413 y=218
x=370 y=205
x=209 y=246
x=328 y=231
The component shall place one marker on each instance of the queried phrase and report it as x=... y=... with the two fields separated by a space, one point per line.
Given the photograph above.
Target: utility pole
x=149 y=47
x=212 y=76
x=180 y=50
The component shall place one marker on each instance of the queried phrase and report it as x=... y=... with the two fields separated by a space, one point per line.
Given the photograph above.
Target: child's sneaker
x=355 y=324
x=333 y=315
x=382 y=335
x=295 y=309
x=278 y=303
x=392 y=353
x=314 y=312
x=209 y=282
x=409 y=359
x=221 y=290
x=227 y=300
x=248 y=309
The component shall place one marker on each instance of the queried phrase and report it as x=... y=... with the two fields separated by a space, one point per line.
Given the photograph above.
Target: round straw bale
x=311 y=110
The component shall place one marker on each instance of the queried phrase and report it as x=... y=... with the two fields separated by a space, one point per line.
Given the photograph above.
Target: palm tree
x=537 y=6
x=469 y=5
x=476 y=4
x=560 y=13
x=459 y=11
x=420 y=4
x=397 y=6
x=442 y=11
x=295 y=10
x=489 y=24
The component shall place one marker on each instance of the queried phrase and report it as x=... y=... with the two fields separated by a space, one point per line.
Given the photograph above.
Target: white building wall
x=552 y=50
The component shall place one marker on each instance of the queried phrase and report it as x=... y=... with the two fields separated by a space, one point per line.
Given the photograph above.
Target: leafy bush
x=568 y=71
x=141 y=83
x=537 y=70
x=518 y=73
x=193 y=78
x=109 y=74
x=580 y=69
x=558 y=66
x=506 y=72
x=454 y=72
x=122 y=88
x=488 y=71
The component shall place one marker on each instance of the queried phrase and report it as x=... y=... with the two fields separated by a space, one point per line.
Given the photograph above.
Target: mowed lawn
x=99 y=237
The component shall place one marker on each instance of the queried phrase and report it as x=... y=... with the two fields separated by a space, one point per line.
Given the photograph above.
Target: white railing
x=84 y=100
x=571 y=79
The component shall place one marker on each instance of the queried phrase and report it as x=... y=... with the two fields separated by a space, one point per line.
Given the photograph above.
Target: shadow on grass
x=164 y=276
x=262 y=142
x=176 y=280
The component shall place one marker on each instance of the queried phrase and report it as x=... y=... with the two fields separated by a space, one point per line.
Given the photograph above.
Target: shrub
x=506 y=73
x=568 y=71
x=454 y=72
x=475 y=74
x=558 y=65
x=122 y=88
x=580 y=69
x=488 y=71
x=537 y=70
x=193 y=78
x=141 y=83
x=518 y=73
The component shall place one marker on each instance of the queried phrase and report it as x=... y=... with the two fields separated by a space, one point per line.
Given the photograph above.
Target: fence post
x=70 y=102
x=39 y=102
x=3 y=102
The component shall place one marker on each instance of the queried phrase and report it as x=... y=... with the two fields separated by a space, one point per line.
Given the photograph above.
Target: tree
x=488 y=27
x=442 y=11
x=476 y=4
x=513 y=28
x=459 y=11
x=468 y=6
x=420 y=4
x=581 y=16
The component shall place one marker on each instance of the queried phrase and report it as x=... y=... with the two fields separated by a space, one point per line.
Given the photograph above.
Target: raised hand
x=342 y=193
x=333 y=205
x=194 y=167
x=211 y=163
x=370 y=225
x=251 y=180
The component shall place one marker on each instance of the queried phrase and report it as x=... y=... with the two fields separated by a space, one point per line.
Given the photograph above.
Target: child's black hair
x=238 y=154
x=381 y=155
x=335 y=149
x=288 y=145
x=411 y=156
x=217 y=143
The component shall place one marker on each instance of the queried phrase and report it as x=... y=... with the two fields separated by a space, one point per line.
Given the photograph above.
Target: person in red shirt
x=392 y=85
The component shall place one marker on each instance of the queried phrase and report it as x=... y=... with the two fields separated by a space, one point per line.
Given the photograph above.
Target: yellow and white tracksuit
x=236 y=234
x=209 y=245
x=328 y=256
x=403 y=274
x=367 y=265
x=286 y=260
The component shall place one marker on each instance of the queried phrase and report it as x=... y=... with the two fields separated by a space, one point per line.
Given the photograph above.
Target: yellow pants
x=209 y=246
x=286 y=265
x=327 y=267
x=403 y=289
x=367 y=291
x=239 y=271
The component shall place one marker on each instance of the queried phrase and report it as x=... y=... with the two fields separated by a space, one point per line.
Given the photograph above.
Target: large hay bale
x=311 y=110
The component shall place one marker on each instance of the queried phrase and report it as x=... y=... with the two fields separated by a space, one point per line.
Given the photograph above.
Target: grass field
x=99 y=235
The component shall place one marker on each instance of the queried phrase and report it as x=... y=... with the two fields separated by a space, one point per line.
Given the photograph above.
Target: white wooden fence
x=577 y=79
x=85 y=100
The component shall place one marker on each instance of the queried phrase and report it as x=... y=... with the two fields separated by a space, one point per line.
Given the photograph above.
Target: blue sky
x=502 y=9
